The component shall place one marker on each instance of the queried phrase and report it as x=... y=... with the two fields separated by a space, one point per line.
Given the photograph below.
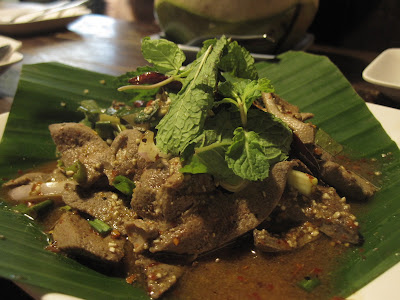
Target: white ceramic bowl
x=384 y=72
x=13 y=56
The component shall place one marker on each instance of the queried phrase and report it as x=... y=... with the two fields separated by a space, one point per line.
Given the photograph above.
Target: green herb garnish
x=189 y=108
x=309 y=283
x=78 y=172
x=36 y=210
x=218 y=88
x=124 y=185
x=100 y=226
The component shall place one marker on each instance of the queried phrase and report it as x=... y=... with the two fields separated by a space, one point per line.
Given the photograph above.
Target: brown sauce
x=242 y=273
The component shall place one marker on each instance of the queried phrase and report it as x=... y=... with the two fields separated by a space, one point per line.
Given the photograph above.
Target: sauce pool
x=239 y=272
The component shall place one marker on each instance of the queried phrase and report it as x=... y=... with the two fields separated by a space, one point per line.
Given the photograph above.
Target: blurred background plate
x=284 y=21
x=14 y=58
x=10 y=57
x=51 y=22
x=384 y=72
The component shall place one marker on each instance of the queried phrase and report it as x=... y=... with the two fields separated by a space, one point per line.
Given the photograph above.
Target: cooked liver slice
x=74 y=235
x=75 y=142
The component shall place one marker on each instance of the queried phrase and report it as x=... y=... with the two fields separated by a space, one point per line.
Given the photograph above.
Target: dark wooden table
x=94 y=42
x=103 y=44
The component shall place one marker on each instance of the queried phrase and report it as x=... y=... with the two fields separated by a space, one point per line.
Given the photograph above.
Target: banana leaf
x=50 y=92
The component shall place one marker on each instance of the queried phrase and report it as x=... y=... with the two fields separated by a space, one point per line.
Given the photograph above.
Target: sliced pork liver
x=74 y=235
x=216 y=217
x=126 y=160
x=77 y=142
x=104 y=205
x=291 y=116
x=347 y=183
x=163 y=192
x=159 y=277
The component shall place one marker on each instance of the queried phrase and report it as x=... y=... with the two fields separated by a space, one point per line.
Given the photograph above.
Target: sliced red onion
x=37 y=191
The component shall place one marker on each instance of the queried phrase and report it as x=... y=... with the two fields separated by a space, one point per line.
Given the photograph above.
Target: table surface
x=103 y=44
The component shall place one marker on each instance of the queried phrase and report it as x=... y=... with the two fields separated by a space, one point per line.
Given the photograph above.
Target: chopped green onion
x=78 y=170
x=60 y=163
x=91 y=110
x=105 y=129
x=109 y=118
x=118 y=129
x=309 y=283
x=66 y=208
x=36 y=210
x=302 y=182
x=86 y=122
x=124 y=185
x=100 y=226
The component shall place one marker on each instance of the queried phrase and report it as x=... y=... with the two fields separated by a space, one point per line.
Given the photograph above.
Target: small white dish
x=14 y=45
x=26 y=25
x=384 y=71
x=13 y=59
x=12 y=56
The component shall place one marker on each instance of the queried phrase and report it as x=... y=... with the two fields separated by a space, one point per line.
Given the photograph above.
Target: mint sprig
x=242 y=92
x=245 y=156
x=189 y=108
x=226 y=150
x=165 y=56
x=235 y=145
x=238 y=62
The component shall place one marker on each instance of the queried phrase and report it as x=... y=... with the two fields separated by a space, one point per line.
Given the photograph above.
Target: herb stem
x=147 y=87
x=225 y=100
x=203 y=60
x=243 y=113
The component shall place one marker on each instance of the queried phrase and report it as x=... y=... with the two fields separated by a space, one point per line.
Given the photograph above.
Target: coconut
x=285 y=21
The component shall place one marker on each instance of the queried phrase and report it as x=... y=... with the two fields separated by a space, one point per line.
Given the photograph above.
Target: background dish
x=50 y=22
x=191 y=49
x=12 y=56
x=384 y=71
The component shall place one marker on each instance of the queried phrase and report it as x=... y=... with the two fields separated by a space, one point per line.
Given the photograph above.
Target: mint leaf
x=187 y=113
x=218 y=128
x=242 y=92
x=239 y=62
x=246 y=156
x=206 y=44
x=275 y=135
x=254 y=89
x=210 y=159
x=166 y=56
x=211 y=145
x=266 y=141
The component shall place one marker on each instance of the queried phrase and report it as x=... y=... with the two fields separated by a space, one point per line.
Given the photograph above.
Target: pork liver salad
x=201 y=156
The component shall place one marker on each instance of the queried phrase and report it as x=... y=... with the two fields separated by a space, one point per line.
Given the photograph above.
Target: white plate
x=384 y=71
x=384 y=286
x=12 y=57
x=14 y=45
x=50 y=22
